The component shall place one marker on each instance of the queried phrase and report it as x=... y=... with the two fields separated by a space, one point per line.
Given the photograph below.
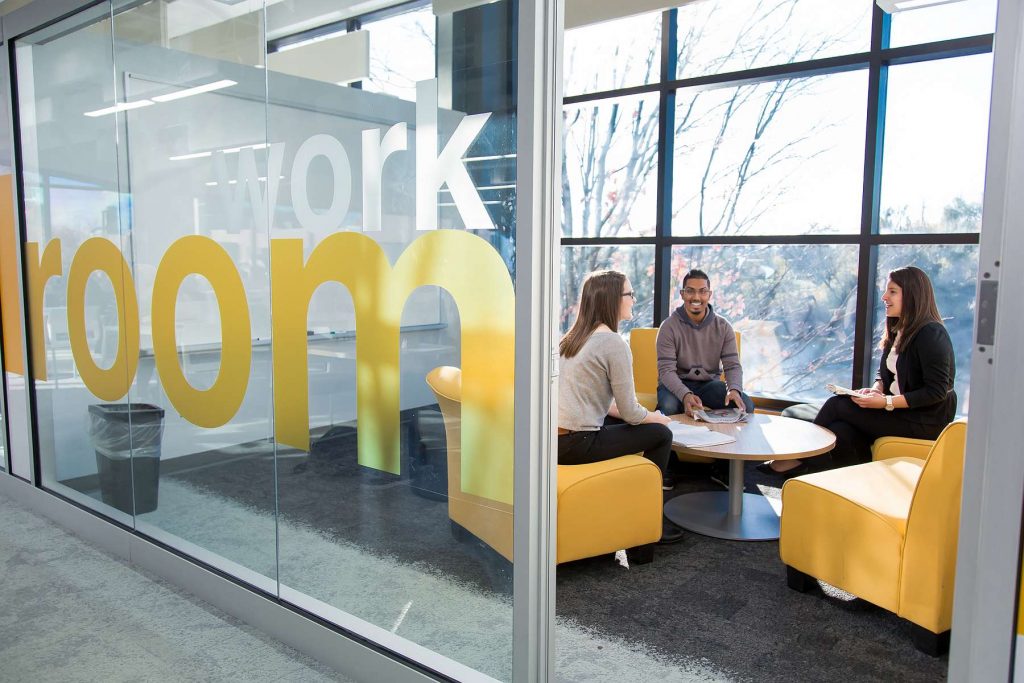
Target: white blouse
x=890 y=362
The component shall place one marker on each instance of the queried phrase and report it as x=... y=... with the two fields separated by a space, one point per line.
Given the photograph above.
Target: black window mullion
x=666 y=148
x=874 y=139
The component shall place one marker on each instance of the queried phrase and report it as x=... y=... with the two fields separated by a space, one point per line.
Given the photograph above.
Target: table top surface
x=764 y=437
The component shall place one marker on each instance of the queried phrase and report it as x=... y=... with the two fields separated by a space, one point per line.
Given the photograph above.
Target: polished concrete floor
x=70 y=612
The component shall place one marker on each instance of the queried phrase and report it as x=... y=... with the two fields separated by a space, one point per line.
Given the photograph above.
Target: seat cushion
x=847 y=526
x=607 y=506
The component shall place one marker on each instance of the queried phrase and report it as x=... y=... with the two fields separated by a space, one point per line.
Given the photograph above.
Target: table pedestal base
x=707 y=513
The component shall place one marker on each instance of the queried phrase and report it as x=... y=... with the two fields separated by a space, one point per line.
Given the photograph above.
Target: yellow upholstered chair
x=885 y=531
x=900 y=446
x=602 y=507
x=643 y=342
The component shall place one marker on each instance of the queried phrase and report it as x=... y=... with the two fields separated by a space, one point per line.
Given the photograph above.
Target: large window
x=797 y=152
x=772 y=158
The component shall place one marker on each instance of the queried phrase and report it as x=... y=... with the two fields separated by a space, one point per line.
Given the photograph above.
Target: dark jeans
x=614 y=439
x=856 y=428
x=711 y=393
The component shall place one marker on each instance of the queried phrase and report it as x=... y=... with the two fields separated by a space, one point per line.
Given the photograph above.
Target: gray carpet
x=728 y=602
x=705 y=609
x=73 y=613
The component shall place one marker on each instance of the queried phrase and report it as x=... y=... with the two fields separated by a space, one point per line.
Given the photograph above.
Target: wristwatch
x=888 y=403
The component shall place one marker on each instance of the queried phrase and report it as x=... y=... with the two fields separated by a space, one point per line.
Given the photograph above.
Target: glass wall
x=16 y=435
x=797 y=152
x=10 y=324
x=274 y=318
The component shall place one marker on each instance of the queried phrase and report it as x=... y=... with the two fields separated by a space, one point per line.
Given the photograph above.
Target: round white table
x=735 y=515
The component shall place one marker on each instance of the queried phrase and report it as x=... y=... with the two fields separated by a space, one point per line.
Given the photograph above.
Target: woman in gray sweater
x=599 y=417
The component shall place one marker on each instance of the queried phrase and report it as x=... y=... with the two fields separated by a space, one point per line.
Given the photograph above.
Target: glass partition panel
x=936 y=129
x=793 y=305
x=953 y=270
x=635 y=261
x=719 y=37
x=10 y=294
x=942 y=22
x=775 y=158
x=198 y=170
x=80 y=298
x=392 y=261
x=610 y=170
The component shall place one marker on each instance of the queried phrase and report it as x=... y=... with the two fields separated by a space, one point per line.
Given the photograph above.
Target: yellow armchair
x=602 y=507
x=885 y=531
x=895 y=446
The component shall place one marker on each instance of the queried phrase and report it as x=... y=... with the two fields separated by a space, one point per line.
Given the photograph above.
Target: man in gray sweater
x=694 y=347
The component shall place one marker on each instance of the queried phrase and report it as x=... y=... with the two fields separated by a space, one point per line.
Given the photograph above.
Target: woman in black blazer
x=913 y=391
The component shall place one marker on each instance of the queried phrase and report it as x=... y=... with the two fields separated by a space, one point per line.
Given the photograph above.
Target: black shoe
x=802 y=468
x=670 y=533
x=668 y=482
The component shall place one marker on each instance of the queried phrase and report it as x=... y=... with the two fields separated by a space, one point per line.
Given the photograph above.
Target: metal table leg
x=732 y=515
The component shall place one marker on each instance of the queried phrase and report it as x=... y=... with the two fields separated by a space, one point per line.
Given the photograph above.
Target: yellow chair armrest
x=647 y=400
x=900 y=446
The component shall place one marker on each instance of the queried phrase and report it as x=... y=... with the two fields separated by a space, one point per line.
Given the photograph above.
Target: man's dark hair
x=696 y=274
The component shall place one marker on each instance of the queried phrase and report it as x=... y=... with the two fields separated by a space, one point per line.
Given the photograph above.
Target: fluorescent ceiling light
x=121 y=106
x=492 y=157
x=229 y=150
x=893 y=6
x=199 y=89
x=196 y=155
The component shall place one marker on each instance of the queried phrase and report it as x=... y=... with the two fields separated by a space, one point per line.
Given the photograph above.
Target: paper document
x=840 y=391
x=721 y=415
x=694 y=436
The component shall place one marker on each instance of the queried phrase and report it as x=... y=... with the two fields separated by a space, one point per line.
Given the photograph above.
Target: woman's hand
x=871 y=400
x=657 y=417
x=870 y=391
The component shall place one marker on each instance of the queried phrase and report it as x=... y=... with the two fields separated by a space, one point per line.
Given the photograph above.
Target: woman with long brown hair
x=913 y=392
x=599 y=417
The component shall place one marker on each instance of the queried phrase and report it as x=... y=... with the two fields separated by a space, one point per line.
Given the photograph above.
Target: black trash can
x=428 y=454
x=118 y=431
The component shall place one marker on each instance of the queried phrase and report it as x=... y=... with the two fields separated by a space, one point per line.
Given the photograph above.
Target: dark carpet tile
x=723 y=601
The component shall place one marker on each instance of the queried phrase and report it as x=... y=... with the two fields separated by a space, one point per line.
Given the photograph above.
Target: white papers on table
x=695 y=436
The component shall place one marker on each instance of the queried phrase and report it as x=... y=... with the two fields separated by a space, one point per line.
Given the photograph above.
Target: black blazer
x=926 y=368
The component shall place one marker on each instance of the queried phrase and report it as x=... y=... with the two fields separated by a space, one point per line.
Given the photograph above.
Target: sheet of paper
x=695 y=436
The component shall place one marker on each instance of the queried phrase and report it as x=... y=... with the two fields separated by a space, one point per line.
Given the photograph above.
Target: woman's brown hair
x=600 y=303
x=918 y=308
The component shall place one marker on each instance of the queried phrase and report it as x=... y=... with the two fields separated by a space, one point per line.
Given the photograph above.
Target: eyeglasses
x=690 y=291
x=630 y=294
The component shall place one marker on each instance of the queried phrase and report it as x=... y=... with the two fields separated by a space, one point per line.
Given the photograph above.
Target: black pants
x=856 y=428
x=614 y=439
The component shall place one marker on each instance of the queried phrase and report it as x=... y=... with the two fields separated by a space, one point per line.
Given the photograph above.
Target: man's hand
x=734 y=397
x=691 y=404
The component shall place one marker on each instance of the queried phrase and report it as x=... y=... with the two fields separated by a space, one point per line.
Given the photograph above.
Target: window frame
x=877 y=62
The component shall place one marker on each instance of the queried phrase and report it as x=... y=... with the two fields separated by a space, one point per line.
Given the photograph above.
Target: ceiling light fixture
x=195 y=155
x=199 y=89
x=120 y=106
x=893 y=6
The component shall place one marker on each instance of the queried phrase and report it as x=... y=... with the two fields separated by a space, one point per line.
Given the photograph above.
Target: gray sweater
x=587 y=383
x=697 y=352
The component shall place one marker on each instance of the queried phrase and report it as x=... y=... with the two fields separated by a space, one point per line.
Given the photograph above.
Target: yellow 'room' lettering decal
x=199 y=255
x=99 y=254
